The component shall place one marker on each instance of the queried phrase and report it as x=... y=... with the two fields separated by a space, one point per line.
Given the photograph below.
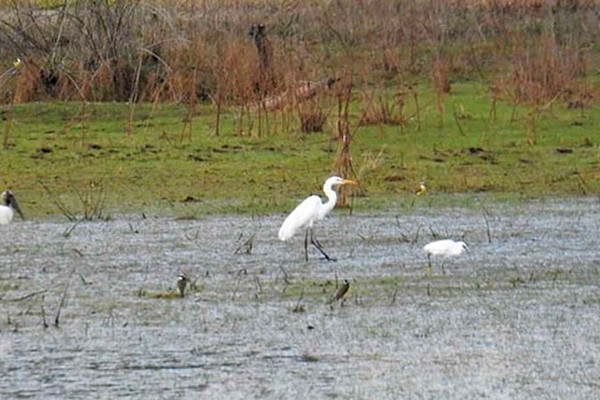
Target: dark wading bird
x=181 y=284
x=310 y=210
x=8 y=204
x=341 y=293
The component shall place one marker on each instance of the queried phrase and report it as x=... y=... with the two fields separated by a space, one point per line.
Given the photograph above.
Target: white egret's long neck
x=331 y=200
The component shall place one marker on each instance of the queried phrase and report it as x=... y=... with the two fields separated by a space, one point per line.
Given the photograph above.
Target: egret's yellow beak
x=350 y=182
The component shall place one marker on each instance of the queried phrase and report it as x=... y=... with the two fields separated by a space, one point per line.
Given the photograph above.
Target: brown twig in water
x=70 y=229
x=299 y=307
x=258 y=284
x=488 y=231
x=83 y=280
x=44 y=323
x=237 y=284
x=416 y=239
x=285 y=275
x=63 y=299
x=245 y=247
x=434 y=234
x=27 y=296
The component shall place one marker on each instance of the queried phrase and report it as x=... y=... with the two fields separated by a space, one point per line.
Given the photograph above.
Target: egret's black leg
x=306 y=245
x=429 y=270
x=319 y=247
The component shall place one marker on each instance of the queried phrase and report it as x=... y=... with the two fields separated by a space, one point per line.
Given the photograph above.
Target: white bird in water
x=445 y=248
x=8 y=204
x=310 y=210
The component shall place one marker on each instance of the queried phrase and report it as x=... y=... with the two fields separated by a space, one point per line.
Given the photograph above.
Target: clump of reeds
x=238 y=56
x=312 y=117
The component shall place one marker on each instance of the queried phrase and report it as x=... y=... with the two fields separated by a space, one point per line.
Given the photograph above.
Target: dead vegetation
x=292 y=66
x=236 y=53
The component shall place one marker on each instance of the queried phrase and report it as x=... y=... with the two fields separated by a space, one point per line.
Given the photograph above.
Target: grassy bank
x=151 y=157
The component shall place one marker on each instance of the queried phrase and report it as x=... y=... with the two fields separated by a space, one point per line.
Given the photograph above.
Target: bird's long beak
x=350 y=182
x=16 y=207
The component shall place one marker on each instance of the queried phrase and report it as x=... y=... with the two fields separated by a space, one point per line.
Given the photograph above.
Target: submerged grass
x=383 y=289
x=66 y=146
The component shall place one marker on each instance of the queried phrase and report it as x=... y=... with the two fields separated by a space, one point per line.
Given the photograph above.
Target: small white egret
x=8 y=204
x=445 y=248
x=311 y=210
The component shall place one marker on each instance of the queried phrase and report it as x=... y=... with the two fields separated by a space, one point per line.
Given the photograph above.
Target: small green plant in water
x=158 y=295
x=309 y=358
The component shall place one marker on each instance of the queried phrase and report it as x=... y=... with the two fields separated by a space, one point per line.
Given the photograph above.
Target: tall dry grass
x=531 y=51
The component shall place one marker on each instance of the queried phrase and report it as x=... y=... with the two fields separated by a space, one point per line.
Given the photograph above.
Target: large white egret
x=8 y=204
x=445 y=248
x=310 y=210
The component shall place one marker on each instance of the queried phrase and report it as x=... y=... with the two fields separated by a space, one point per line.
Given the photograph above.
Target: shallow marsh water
x=516 y=318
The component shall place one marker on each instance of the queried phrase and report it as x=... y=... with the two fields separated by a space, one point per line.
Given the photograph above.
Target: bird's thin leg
x=316 y=241
x=429 y=270
x=319 y=247
x=317 y=244
x=306 y=245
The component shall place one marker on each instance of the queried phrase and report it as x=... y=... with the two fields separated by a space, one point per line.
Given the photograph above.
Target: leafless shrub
x=343 y=162
x=383 y=107
x=155 y=51
x=92 y=201
x=312 y=116
x=539 y=76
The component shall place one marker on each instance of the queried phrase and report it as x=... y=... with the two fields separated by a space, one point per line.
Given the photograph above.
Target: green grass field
x=79 y=151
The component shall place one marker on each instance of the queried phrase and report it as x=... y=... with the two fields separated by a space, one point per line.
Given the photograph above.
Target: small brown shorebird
x=341 y=293
x=181 y=284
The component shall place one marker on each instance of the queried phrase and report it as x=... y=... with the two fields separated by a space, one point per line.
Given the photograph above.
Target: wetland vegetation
x=148 y=139
x=214 y=115
x=90 y=313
